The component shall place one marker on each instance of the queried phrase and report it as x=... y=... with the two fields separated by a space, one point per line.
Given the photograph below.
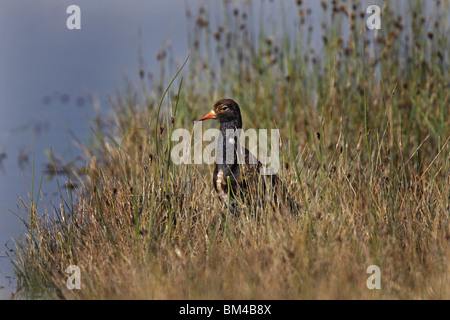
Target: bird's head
x=225 y=110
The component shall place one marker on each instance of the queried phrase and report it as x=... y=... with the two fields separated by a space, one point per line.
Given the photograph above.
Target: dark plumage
x=242 y=176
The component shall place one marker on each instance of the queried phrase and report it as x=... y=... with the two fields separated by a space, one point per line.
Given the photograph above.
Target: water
x=46 y=73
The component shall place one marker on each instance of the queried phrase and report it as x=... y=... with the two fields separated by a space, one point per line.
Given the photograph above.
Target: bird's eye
x=225 y=108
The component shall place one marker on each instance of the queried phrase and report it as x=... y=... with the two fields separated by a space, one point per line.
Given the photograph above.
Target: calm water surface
x=46 y=73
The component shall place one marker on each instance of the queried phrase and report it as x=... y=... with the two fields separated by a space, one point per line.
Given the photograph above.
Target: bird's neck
x=230 y=131
x=228 y=140
x=231 y=124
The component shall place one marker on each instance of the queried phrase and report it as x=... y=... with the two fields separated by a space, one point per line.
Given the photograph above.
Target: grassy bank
x=363 y=118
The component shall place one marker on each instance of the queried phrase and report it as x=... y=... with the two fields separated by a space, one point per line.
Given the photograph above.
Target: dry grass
x=365 y=134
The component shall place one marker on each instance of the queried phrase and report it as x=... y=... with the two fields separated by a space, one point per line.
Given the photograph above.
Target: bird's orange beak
x=211 y=115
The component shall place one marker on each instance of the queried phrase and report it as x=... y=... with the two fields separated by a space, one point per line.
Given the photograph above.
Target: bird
x=233 y=180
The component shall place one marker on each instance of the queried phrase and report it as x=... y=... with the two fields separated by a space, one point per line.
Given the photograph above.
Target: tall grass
x=365 y=131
